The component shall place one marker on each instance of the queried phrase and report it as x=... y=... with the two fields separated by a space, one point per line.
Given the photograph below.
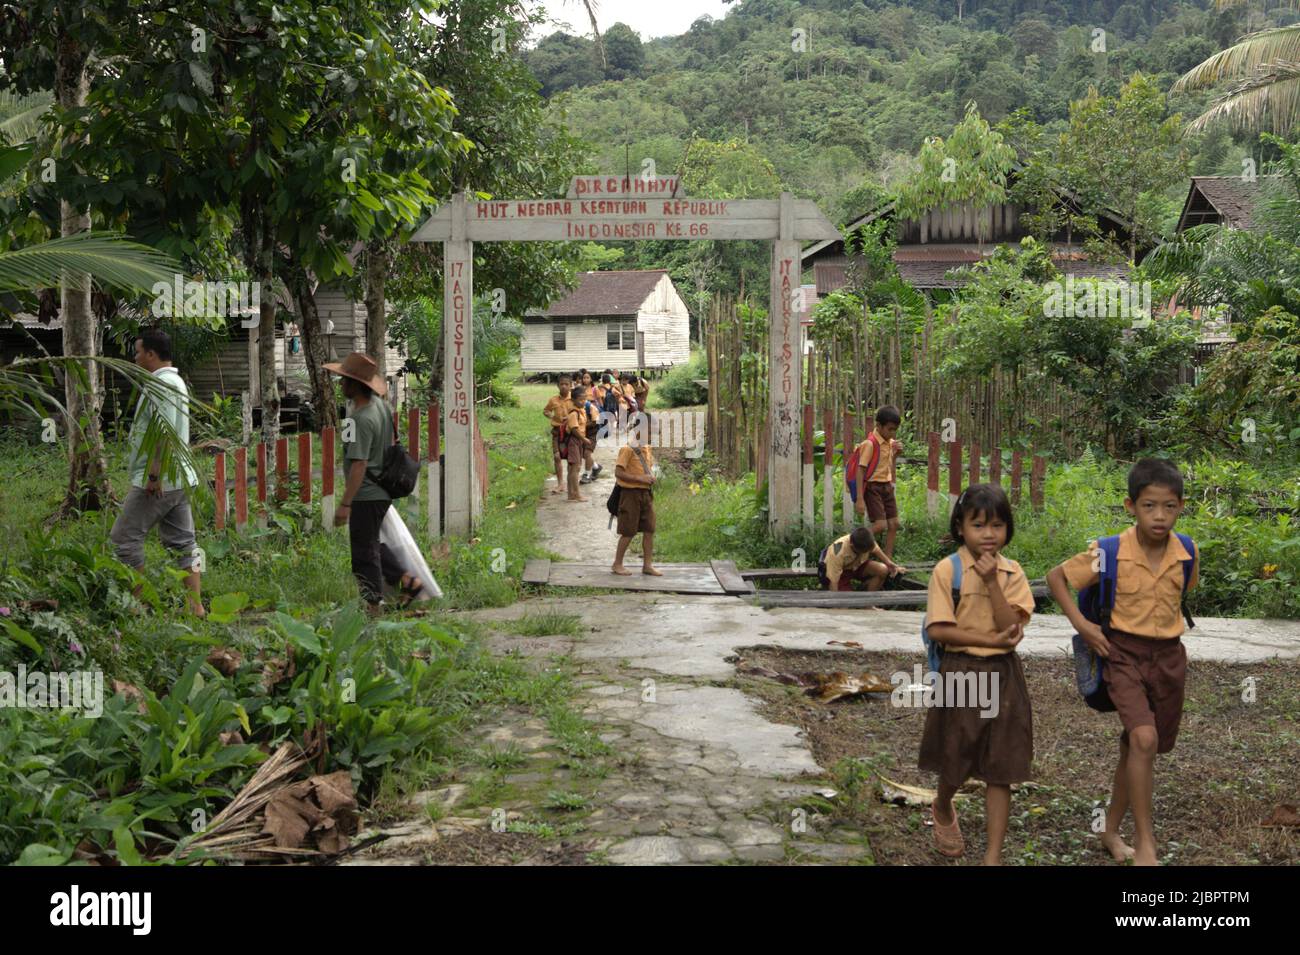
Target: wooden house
x=343 y=324
x=942 y=240
x=610 y=320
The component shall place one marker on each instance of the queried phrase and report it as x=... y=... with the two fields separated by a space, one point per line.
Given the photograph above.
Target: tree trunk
x=322 y=389
x=257 y=257
x=377 y=258
x=88 y=487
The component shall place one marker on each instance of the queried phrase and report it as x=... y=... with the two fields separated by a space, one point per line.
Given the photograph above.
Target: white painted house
x=617 y=320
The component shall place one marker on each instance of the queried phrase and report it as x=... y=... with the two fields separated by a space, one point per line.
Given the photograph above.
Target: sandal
x=409 y=590
x=948 y=838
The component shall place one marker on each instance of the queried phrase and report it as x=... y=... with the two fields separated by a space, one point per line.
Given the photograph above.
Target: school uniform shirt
x=628 y=460
x=557 y=409
x=1147 y=603
x=575 y=421
x=842 y=559
x=975 y=611
x=884 y=472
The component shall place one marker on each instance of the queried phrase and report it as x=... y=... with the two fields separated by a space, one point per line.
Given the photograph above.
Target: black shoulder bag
x=400 y=471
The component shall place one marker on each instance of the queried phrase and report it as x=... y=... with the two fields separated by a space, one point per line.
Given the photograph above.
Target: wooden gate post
x=462 y=500
x=828 y=470
x=785 y=371
x=809 y=515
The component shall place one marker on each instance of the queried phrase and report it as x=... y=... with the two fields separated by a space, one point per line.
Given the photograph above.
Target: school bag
x=610 y=402
x=933 y=650
x=851 y=471
x=399 y=471
x=1095 y=603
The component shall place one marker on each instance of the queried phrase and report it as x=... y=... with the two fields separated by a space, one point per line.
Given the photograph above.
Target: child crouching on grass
x=979 y=637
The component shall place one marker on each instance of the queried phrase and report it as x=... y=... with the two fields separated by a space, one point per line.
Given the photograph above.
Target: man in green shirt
x=367 y=433
x=160 y=480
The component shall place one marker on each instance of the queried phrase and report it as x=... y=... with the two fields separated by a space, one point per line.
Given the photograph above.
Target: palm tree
x=28 y=384
x=1265 y=68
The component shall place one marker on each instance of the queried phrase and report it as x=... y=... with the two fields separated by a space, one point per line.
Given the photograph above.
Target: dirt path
x=716 y=779
x=576 y=531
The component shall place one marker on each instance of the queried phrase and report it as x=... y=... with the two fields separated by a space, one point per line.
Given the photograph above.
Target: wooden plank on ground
x=537 y=571
x=676 y=579
x=730 y=579
x=778 y=573
x=854 y=600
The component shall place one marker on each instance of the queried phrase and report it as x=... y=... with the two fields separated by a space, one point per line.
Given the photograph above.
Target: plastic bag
x=394 y=535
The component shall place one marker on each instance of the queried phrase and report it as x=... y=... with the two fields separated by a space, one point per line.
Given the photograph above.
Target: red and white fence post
x=327 y=466
x=954 y=474
x=434 y=510
x=219 y=492
x=828 y=470
x=933 y=500
x=241 y=488
x=848 y=449
x=809 y=511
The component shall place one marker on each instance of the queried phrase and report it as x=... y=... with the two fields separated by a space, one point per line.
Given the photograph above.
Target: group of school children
x=575 y=417
x=1130 y=617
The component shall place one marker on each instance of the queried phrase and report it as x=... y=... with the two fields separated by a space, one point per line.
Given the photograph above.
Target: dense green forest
x=847 y=102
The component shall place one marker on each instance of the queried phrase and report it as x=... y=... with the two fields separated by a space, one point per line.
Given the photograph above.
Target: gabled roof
x=827 y=247
x=607 y=293
x=1229 y=200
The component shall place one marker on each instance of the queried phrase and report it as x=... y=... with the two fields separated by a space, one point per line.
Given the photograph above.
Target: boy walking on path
x=636 y=507
x=557 y=412
x=855 y=556
x=159 y=496
x=875 y=480
x=1145 y=667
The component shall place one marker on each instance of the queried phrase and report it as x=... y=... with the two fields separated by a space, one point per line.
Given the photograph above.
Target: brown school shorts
x=636 y=511
x=960 y=744
x=879 y=498
x=1145 y=677
x=573 y=450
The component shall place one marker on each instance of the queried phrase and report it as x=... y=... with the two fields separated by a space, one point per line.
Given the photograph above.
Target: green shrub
x=678 y=387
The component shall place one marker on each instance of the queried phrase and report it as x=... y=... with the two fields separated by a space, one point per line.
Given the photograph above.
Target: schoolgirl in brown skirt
x=981 y=725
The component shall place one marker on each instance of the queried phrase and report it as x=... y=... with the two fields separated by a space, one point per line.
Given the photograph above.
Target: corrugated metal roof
x=608 y=293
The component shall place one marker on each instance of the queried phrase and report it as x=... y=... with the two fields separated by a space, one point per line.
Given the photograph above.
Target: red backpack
x=851 y=471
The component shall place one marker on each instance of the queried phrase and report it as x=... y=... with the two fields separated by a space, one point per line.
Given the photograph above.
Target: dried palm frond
x=237 y=831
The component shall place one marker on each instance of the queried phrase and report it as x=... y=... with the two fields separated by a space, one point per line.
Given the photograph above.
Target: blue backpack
x=1095 y=603
x=934 y=651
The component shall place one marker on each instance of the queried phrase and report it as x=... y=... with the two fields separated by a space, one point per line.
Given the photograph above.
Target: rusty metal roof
x=607 y=293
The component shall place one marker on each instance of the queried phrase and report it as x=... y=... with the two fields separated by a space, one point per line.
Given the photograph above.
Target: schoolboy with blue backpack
x=1129 y=656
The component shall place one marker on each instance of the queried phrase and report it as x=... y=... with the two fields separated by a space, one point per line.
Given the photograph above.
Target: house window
x=558 y=330
x=621 y=335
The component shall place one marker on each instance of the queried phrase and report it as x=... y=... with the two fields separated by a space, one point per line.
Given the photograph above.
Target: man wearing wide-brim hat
x=367 y=433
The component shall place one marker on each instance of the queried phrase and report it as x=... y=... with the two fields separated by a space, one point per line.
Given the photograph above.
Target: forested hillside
x=850 y=99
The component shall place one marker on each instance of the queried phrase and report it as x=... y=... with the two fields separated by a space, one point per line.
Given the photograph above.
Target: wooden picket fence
x=959 y=476
x=228 y=481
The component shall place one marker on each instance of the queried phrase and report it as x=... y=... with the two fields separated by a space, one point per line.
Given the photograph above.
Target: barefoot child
x=1145 y=662
x=979 y=638
x=557 y=411
x=636 y=507
x=874 y=487
x=575 y=428
x=852 y=557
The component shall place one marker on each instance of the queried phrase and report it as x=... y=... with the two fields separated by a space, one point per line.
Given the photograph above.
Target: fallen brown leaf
x=845 y=643
x=131 y=692
x=225 y=661
x=1283 y=815
x=233 y=738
